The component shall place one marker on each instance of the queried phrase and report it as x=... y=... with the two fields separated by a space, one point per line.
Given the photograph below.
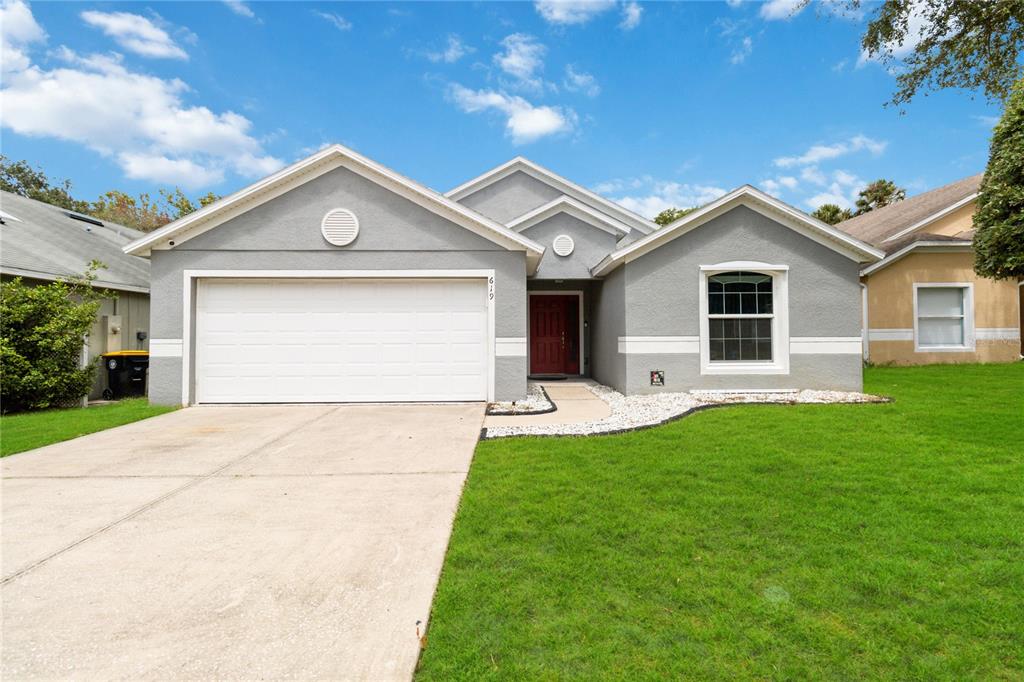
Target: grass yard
x=20 y=432
x=771 y=542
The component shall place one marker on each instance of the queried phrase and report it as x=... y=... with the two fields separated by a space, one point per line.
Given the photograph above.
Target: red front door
x=554 y=334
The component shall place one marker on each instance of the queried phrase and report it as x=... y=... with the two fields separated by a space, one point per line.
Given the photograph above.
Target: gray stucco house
x=337 y=279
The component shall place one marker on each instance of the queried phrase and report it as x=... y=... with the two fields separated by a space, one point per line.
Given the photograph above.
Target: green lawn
x=768 y=542
x=20 y=432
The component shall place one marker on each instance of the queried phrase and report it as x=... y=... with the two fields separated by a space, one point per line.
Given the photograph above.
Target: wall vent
x=563 y=245
x=340 y=227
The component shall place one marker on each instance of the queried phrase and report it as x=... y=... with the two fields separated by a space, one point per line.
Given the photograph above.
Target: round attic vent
x=563 y=245
x=340 y=226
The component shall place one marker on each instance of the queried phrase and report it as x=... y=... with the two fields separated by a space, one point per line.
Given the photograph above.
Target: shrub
x=42 y=331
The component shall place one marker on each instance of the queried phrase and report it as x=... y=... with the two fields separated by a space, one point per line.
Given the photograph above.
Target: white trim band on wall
x=825 y=345
x=890 y=334
x=165 y=348
x=997 y=334
x=659 y=345
x=510 y=347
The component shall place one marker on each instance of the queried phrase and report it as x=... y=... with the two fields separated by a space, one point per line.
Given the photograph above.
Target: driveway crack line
x=166 y=496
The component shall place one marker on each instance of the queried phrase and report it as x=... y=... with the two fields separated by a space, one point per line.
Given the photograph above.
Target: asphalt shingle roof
x=876 y=226
x=40 y=240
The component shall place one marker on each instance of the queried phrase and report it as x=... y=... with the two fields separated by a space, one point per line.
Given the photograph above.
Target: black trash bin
x=126 y=373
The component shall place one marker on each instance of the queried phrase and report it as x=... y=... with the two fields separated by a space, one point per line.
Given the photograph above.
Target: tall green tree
x=20 y=178
x=970 y=44
x=877 y=194
x=999 y=217
x=832 y=214
x=670 y=215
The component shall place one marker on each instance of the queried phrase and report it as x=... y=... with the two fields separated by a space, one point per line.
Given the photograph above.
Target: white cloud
x=140 y=121
x=567 y=12
x=813 y=175
x=339 y=22
x=742 y=51
x=650 y=196
x=631 y=13
x=822 y=152
x=580 y=81
x=734 y=3
x=453 y=51
x=846 y=179
x=839 y=66
x=18 y=30
x=522 y=58
x=987 y=121
x=779 y=184
x=135 y=33
x=842 y=191
x=774 y=10
x=240 y=8
x=524 y=122
x=139 y=166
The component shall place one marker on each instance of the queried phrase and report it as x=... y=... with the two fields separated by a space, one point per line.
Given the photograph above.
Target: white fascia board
x=564 y=185
x=932 y=218
x=568 y=205
x=952 y=247
x=756 y=200
x=311 y=167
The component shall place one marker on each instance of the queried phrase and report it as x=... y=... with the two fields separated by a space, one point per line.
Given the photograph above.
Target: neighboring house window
x=744 y=325
x=943 y=317
x=740 y=317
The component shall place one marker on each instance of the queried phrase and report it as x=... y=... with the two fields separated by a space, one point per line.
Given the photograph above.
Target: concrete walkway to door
x=574 y=403
x=250 y=542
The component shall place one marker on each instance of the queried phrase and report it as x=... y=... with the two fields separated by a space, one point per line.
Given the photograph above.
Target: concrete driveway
x=232 y=542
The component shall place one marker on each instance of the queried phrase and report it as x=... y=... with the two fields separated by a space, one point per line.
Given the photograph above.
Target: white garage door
x=333 y=340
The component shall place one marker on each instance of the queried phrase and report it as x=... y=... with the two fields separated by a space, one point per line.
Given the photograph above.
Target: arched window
x=740 y=312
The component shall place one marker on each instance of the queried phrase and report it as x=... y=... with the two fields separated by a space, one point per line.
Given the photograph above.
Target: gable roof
x=890 y=223
x=563 y=185
x=757 y=200
x=569 y=206
x=328 y=159
x=45 y=242
x=922 y=241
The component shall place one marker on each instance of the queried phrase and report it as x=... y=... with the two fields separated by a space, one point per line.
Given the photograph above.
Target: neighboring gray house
x=336 y=279
x=41 y=243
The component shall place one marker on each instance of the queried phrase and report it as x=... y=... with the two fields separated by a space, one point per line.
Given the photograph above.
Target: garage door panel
x=341 y=340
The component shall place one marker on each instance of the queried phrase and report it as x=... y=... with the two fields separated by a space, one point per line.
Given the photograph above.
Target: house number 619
x=490 y=288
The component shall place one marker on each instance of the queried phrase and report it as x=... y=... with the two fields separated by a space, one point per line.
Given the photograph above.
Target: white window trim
x=191 y=278
x=969 y=344
x=780 y=320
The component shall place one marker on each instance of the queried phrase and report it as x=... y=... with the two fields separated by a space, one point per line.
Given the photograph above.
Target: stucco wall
x=956 y=222
x=891 y=308
x=510 y=197
x=662 y=289
x=608 y=366
x=284 y=234
x=591 y=245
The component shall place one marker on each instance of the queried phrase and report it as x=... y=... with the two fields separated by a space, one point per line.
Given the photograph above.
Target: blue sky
x=652 y=104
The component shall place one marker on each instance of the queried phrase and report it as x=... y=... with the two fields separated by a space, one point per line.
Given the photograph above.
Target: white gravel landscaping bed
x=637 y=411
x=536 y=402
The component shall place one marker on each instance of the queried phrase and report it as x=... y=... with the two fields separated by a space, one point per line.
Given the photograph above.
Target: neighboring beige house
x=41 y=243
x=923 y=303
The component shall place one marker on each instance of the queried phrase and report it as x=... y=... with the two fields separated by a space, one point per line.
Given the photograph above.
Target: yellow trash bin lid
x=125 y=353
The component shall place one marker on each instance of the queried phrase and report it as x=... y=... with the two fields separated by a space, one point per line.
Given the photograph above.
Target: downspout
x=864 y=320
